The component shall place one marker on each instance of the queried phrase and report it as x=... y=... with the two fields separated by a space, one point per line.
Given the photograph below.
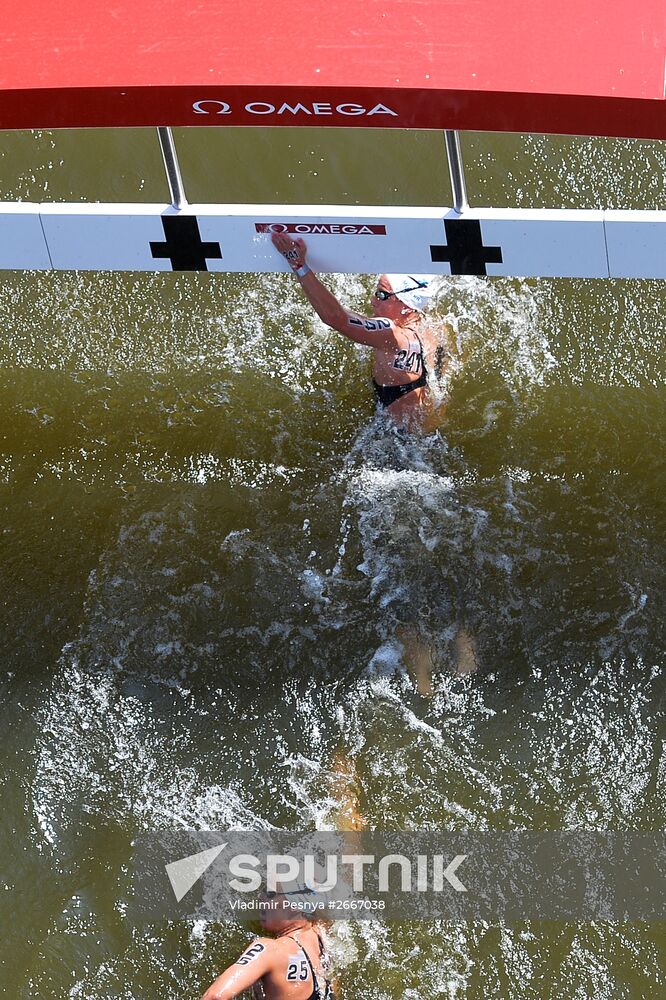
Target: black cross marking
x=183 y=246
x=465 y=250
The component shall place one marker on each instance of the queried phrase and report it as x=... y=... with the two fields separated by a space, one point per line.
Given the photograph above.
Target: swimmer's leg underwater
x=420 y=655
x=346 y=814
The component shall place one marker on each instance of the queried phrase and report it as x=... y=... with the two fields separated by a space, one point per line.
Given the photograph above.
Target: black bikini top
x=317 y=993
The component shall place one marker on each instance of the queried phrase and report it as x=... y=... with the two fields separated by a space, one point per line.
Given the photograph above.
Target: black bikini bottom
x=387 y=394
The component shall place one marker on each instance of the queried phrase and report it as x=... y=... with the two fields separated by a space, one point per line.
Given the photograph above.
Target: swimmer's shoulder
x=437 y=338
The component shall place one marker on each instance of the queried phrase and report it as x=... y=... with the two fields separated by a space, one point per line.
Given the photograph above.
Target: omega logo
x=318 y=108
x=199 y=110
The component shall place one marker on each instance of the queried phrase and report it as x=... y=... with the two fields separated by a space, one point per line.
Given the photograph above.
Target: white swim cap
x=420 y=289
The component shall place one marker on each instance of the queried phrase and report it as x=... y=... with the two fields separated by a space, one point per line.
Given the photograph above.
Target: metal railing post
x=167 y=145
x=456 y=170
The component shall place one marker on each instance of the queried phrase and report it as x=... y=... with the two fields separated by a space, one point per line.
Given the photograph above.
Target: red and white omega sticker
x=320 y=228
x=211 y=106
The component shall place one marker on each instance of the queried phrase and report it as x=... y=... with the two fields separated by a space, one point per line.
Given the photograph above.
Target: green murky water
x=206 y=532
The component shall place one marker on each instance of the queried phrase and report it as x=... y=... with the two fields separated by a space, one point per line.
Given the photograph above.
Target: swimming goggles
x=383 y=295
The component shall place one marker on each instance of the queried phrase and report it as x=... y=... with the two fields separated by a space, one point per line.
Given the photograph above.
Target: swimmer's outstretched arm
x=254 y=963
x=373 y=331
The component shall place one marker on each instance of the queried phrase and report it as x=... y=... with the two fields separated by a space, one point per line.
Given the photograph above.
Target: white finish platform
x=236 y=238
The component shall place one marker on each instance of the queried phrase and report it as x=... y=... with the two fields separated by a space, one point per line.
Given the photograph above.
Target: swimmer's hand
x=293 y=250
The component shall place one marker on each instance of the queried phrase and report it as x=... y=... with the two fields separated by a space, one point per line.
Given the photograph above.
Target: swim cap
x=418 y=297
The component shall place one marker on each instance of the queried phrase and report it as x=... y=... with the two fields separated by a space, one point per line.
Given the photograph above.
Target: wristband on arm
x=301 y=271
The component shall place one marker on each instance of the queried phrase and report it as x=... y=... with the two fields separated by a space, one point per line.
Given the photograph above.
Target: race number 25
x=297 y=970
